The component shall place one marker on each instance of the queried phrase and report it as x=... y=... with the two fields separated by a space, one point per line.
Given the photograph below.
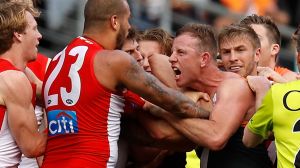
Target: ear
x=114 y=22
x=257 y=55
x=18 y=36
x=275 y=49
x=205 y=58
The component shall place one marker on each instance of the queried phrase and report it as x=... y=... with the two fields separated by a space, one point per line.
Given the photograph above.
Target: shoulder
x=114 y=60
x=113 y=56
x=14 y=81
x=235 y=87
x=234 y=82
x=12 y=76
x=290 y=75
x=14 y=84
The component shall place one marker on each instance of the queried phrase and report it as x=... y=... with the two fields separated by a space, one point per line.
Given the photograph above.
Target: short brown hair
x=133 y=34
x=13 y=19
x=161 y=36
x=98 y=11
x=268 y=23
x=205 y=35
x=237 y=30
x=296 y=38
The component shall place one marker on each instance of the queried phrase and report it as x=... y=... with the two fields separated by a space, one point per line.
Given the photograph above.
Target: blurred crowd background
x=62 y=20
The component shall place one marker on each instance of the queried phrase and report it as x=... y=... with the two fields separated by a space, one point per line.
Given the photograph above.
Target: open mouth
x=177 y=71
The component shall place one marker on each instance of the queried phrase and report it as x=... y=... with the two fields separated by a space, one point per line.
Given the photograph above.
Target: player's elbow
x=159 y=135
x=217 y=143
x=33 y=152
x=36 y=148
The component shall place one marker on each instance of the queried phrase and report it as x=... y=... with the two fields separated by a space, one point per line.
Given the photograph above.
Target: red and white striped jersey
x=83 y=116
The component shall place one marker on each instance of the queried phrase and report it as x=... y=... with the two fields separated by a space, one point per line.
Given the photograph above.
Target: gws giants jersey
x=83 y=116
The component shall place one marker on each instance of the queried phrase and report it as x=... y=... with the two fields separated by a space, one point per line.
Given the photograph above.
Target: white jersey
x=31 y=162
x=10 y=153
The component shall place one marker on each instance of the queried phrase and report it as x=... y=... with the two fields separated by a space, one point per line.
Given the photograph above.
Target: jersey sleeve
x=262 y=121
x=133 y=102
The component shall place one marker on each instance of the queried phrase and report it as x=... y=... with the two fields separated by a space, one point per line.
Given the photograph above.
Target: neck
x=105 y=39
x=272 y=64
x=209 y=80
x=253 y=73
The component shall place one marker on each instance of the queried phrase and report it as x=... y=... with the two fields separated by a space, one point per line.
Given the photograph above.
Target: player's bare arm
x=17 y=95
x=291 y=76
x=271 y=74
x=259 y=85
x=156 y=132
x=130 y=75
x=225 y=119
x=161 y=68
x=251 y=139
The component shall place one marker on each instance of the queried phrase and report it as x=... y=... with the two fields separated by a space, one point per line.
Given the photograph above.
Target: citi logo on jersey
x=62 y=122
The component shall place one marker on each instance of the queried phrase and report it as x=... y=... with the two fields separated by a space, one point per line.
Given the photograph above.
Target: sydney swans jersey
x=280 y=113
x=83 y=116
x=10 y=154
x=39 y=66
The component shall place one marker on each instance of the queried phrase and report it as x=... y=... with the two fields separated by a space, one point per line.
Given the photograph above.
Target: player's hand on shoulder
x=258 y=83
x=195 y=95
x=202 y=99
x=34 y=79
x=270 y=74
x=30 y=75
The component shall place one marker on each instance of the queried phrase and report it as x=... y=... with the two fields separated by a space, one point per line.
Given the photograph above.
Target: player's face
x=266 y=46
x=132 y=47
x=124 y=27
x=31 y=37
x=239 y=56
x=185 y=60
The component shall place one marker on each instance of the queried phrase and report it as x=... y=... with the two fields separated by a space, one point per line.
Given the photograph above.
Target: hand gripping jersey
x=281 y=70
x=280 y=113
x=133 y=102
x=83 y=116
x=10 y=153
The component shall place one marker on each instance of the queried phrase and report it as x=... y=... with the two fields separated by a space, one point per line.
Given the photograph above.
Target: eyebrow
x=239 y=46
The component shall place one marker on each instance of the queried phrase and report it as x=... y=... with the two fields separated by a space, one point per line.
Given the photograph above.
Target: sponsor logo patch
x=62 y=122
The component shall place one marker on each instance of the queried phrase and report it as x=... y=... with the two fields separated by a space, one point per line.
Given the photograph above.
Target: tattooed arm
x=116 y=69
x=154 y=91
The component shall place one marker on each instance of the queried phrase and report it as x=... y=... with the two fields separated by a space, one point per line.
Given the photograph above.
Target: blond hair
x=13 y=19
